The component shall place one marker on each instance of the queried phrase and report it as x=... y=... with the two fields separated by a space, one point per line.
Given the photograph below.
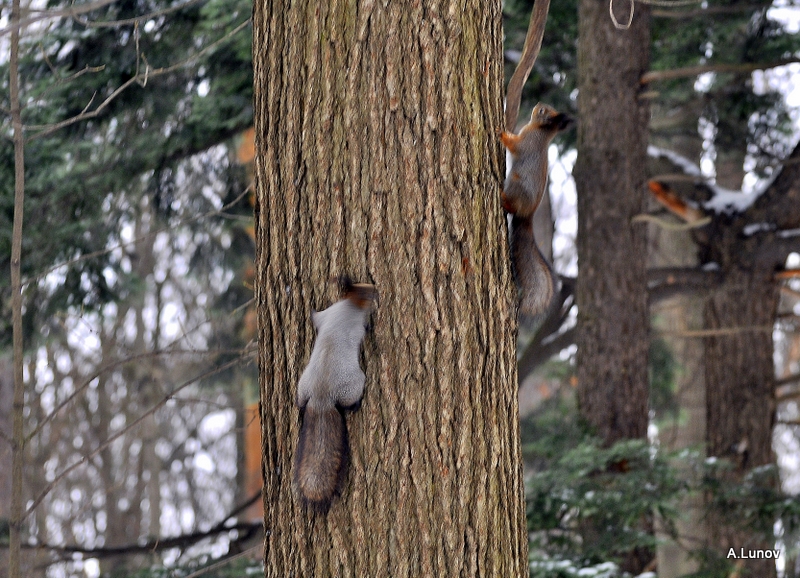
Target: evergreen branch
x=85 y=114
x=656 y=75
x=717 y=332
x=136 y=19
x=222 y=562
x=72 y=11
x=140 y=78
x=59 y=81
x=101 y=252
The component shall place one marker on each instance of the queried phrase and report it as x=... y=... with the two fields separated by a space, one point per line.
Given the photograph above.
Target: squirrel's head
x=549 y=119
x=363 y=295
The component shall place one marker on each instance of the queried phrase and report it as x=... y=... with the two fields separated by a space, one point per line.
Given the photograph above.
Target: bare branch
x=113 y=365
x=790 y=292
x=101 y=252
x=160 y=544
x=795 y=377
x=656 y=75
x=664 y=282
x=545 y=351
x=787 y=274
x=530 y=50
x=547 y=341
x=35 y=503
x=708 y=11
x=135 y=20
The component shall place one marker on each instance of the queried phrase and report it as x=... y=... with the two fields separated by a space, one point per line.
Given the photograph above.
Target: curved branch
x=159 y=544
x=546 y=342
x=530 y=50
x=665 y=282
x=655 y=75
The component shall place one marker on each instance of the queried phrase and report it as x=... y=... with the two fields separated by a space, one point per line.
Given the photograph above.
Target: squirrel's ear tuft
x=344 y=283
x=363 y=295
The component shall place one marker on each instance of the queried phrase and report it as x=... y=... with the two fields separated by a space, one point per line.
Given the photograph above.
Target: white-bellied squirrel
x=523 y=191
x=331 y=382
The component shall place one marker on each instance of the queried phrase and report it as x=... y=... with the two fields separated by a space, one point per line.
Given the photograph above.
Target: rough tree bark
x=377 y=156
x=740 y=383
x=738 y=318
x=740 y=373
x=610 y=176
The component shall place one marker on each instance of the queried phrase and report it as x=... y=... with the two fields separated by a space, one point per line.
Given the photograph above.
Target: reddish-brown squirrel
x=331 y=382
x=523 y=191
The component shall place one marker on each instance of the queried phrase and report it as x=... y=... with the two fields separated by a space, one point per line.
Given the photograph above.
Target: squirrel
x=331 y=382
x=523 y=191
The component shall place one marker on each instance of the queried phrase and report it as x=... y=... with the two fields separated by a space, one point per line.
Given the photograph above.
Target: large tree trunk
x=740 y=389
x=377 y=156
x=740 y=373
x=610 y=175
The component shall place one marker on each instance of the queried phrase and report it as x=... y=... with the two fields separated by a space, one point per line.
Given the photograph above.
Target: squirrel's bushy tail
x=533 y=274
x=322 y=455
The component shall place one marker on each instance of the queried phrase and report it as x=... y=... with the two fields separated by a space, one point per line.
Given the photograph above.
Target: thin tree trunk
x=610 y=175
x=378 y=157
x=18 y=404
x=6 y=413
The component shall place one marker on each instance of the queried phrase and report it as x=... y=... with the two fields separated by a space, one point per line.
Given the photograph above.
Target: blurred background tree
x=137 y=255
x=138 y=243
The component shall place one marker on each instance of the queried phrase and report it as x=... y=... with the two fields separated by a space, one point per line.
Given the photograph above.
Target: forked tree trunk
x=610 y=175
x=378 y=156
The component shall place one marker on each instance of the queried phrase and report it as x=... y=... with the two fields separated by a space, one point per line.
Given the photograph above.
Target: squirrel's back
x=527 y=179
x=523 y=191
x=331 y=381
